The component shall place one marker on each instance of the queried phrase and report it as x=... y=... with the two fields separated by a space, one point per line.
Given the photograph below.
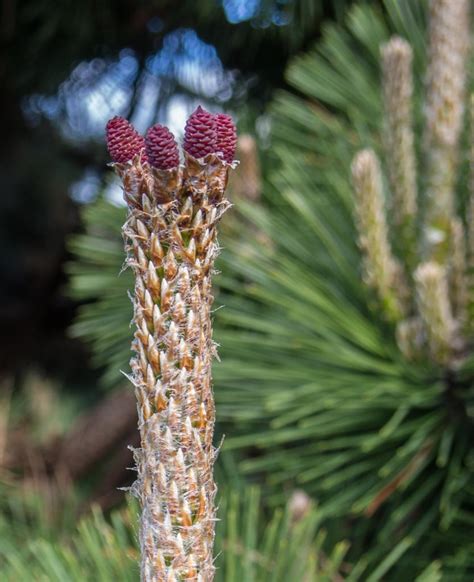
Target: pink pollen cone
x=123 y=140
x=161 y=148
x=226 y=136
x=200 y=135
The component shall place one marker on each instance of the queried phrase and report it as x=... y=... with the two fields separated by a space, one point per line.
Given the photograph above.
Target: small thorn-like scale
x=171 y=244
x=399 y=137
x=123 y=141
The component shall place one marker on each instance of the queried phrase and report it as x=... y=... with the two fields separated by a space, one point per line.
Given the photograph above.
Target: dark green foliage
x=105 y=549
x=99 y=274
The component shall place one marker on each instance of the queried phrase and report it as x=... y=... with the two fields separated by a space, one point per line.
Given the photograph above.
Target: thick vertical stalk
x=435 y=311
x=470 y=227
x=397 y=57
x=449 y=38
x=457 y=274
x=170 y=238
x=381 y=269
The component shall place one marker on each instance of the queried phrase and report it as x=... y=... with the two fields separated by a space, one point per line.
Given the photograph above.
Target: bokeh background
x=300 y=349
x=68 y=67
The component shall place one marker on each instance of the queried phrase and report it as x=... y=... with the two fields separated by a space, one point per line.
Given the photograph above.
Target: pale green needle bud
x=435 y=310
x=382 y=272
x=397 y=57
x=449 y=40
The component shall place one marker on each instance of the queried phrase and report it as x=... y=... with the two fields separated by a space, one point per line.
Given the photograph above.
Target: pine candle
x=170 y=240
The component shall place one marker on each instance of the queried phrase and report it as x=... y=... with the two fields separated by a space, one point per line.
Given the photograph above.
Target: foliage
x=311 y=378
x=344 y=414
x=105 y=321
x=105 y=548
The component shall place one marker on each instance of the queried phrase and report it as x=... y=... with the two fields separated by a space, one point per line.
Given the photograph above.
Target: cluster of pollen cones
x=170 y=238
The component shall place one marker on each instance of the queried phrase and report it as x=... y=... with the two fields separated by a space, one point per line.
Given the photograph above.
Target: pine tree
x=347 y=381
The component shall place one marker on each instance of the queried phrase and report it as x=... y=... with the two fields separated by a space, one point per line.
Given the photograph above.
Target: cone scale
x=170 y=240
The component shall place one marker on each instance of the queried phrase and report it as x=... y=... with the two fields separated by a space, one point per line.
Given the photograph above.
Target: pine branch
x=170 y=239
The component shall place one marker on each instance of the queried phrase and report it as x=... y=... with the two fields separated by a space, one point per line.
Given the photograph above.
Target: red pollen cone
x=226 y=137
x=161 y=148
x=200 y=135
x=123 y=140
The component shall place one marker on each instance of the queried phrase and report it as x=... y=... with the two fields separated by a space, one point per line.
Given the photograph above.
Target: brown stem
x=170 y=238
